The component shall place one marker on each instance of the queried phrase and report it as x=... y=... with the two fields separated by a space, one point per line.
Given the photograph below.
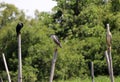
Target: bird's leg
x=109 y=48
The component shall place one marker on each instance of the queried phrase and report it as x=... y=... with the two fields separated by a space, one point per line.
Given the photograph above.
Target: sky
x=29 y=6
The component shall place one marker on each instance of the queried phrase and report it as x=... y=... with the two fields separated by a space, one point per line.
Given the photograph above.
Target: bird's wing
x=110 y=37
x=57 y=39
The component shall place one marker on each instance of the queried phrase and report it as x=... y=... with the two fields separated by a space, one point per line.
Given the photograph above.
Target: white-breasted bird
x=56 y=40
x=108 y=37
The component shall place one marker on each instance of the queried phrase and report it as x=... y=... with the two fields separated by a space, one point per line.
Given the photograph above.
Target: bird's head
x=21 y=24
x=108 y=27
x=52 y=35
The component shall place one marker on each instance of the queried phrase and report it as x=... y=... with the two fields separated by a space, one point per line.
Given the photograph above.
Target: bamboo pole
x=108 y=62
x=19 y=59
x=6 y=67
x=92 y=71
x=111 y=66
x=108 y=41
x=53 y=65
x=1 y=79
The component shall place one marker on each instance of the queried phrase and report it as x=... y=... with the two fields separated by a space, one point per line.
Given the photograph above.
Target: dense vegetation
x=96 y=79
x=81 y=27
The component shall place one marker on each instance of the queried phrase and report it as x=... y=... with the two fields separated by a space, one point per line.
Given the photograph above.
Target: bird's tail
x=18 y=33
x=60 y=46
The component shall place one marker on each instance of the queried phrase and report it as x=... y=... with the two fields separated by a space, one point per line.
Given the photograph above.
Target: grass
x=97 y=79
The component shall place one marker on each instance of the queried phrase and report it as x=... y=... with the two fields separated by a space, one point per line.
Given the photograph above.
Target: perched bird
x=105 y=1
x=18 y=28
x=56 y=40
x=108 y=37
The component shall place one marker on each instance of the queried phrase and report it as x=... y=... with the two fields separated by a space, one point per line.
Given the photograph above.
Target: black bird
x=18 y=28
x=56 y=40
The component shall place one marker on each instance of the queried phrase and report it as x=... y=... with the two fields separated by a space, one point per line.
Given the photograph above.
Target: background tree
x=81 y=27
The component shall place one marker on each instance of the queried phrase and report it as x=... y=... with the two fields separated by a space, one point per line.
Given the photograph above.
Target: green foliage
x=8 y=15
x=96 y=79
x=73 y=59
x=81 y=27
x=116 y=5
x=89 y=26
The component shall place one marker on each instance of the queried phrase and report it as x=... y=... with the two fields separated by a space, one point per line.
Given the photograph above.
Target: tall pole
x=53 y=65
x=92 y=71
x=109 y=43
x=19 y=59
x=111 y=66
x=57 y=42
x=6 y=67
x=1 y=79
x=108 y=62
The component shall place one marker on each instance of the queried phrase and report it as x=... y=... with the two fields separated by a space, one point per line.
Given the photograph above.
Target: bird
x=18 y=28
x=56 y=40
x=108 y=37
x=105 y=1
